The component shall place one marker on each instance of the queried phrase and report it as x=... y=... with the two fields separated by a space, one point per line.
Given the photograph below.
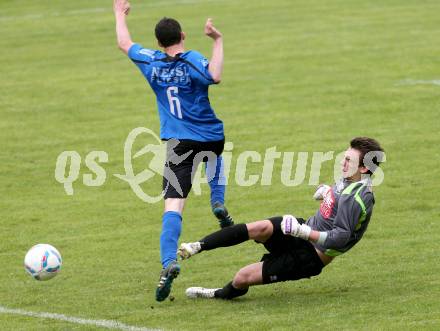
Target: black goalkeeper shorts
x=183 y=158
x=289 y=258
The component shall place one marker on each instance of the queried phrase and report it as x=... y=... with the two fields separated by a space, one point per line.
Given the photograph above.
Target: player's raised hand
x=121 y=7
x=211 y=31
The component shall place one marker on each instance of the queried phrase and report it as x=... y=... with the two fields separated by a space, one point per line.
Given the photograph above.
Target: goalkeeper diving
x=297 y=248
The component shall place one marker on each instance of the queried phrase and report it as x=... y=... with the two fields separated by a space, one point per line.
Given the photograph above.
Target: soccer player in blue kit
x=180 y=80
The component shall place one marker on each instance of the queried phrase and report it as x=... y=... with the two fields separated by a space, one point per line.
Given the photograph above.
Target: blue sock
x=171 y=227
x=216 y=180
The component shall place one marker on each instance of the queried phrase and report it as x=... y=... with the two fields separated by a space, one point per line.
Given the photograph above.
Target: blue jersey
x=181 y=87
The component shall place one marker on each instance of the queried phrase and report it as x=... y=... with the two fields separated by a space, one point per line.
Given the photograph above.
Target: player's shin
x=214 y=172
x=225 y=237
x=230 y=292
x=171 y=228
x=217 y=182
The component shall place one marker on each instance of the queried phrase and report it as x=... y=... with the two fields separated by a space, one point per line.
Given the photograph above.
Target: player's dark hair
x=168 y=32
x=366 y=145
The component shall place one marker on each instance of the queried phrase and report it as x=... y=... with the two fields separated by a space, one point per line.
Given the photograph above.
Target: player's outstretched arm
x=216 y=63
x=121 y=9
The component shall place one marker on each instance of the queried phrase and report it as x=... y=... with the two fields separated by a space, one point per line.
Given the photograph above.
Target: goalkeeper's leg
x=246 y=277
x=260 y=231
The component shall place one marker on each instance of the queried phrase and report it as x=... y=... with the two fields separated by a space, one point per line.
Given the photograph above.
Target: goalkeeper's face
x=350 y=165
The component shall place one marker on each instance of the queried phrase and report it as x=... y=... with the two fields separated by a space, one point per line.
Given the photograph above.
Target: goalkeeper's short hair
x=367 y=145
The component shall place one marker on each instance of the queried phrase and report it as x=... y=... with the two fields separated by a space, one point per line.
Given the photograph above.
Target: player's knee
x=241 y=279
x=246 y=277
x=260 y=230
x=174 y=204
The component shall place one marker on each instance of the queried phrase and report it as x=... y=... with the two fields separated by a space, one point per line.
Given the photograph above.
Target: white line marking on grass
x=410 y=81
x=109 y=324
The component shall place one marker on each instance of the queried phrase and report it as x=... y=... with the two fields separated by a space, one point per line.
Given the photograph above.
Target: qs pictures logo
x=68 y=166
x=152 y=156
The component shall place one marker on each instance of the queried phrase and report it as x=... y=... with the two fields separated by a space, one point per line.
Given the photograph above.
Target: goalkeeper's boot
x=186 y=250
x=200 y=292
x=166 y=280
x=222 y=215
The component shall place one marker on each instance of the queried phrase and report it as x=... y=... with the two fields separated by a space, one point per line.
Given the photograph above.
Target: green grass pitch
x=299 y=75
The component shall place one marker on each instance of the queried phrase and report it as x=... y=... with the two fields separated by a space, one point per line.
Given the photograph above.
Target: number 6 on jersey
x=174 y=99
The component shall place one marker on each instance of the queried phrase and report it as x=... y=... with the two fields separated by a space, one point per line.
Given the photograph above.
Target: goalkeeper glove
x=290 y=226
x=320 y=192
